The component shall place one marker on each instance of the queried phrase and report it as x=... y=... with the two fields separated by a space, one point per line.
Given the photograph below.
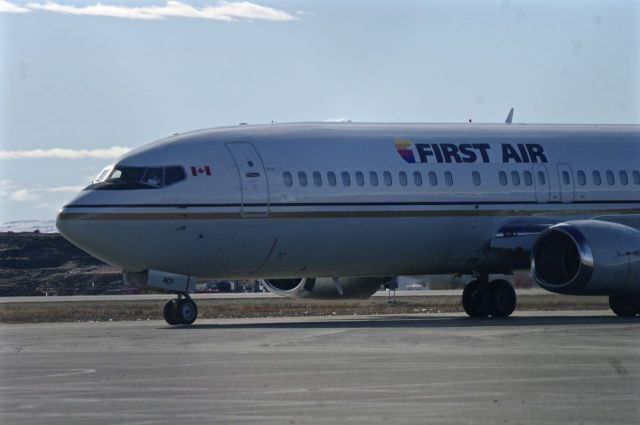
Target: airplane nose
x=81 y=231
x=69 y=227
x=72 y=222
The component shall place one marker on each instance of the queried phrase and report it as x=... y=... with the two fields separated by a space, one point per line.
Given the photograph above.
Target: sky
x=81 y=82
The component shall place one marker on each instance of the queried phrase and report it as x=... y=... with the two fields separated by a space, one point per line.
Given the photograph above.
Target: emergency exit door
x=567 y=188
x=253 y=179
x=541 y=179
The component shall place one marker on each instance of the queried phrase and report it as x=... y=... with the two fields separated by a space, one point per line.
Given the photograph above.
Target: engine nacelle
x=325 y=288
x=588 y=257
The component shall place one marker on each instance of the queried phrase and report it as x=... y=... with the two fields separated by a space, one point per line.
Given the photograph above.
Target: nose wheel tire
x=188 y=311
x=482 y=298
x=180 y=311
x=170 y=312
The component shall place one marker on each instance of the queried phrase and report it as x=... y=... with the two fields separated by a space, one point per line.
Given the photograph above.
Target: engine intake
x=325 y=287
x=587 y=257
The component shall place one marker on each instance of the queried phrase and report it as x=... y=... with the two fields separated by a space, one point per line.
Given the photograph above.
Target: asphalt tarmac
x=534 y=368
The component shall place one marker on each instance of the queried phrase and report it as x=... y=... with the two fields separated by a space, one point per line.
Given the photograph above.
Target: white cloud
x=112 y=152
x=23 y=195
x=8 y=7
x=220 y=11
x=6 y=187
x=65 y=189
x=15 y=192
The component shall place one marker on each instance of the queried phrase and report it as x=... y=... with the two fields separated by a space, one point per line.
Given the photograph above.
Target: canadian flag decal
x=198 y=171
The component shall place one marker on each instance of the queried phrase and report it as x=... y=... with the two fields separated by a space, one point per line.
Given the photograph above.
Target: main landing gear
x=180 y=311
x=624 y=305
x=482 y=298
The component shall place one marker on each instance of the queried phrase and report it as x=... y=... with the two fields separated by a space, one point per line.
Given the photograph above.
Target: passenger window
x=287 y=178
x=528 y=178
x=403 y=178
x=346 y=179
x=515 y=178
x=624 y=179
x=448 y=178
x=387 y=178
x=173 y=175
x=502 y=176
x=476 y=178
x=636 y=177
x=597 y=179
x=359 y=178
x=566 y=179
x=433 y=178
x=582 y=178
x=373 y=178
x=542 y=179
x=317 y=178
x=331 y=178
x=610 y=178
x=417 y=178
x=302 y=178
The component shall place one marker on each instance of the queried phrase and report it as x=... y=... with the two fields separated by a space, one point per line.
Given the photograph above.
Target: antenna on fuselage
x=509 y=119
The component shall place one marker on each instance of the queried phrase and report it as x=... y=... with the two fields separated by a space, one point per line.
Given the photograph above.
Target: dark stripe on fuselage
x=351 y=204
x=337 y=214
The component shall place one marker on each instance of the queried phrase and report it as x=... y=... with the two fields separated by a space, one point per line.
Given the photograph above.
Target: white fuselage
x=352 y=199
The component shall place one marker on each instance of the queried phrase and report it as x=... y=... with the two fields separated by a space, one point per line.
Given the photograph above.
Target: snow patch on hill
x=43 y=226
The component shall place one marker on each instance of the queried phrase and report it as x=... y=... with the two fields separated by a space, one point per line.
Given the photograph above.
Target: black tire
x=170 y=312
x=187 y=311
x=472 y=300
x=503 y=298
x=624 y=305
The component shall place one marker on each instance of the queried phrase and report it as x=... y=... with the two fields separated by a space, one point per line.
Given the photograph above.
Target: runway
x=534 y=368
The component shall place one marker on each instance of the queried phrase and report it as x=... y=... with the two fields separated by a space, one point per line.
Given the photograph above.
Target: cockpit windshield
x=102 y=176
x=126 y=177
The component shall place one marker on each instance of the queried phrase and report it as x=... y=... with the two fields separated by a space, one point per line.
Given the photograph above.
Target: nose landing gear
x=180 y=311
x=481 y=298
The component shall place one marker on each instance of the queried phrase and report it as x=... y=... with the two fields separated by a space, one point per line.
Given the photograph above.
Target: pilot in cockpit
x=153 y=177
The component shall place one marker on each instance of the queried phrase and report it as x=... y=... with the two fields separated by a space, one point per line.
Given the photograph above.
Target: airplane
x=330 y=210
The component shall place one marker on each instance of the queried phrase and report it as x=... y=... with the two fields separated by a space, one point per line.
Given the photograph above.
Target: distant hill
x=42 y=226
x=46 y=264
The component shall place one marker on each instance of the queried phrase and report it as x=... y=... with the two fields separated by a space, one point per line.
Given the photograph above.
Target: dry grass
x=132 y=309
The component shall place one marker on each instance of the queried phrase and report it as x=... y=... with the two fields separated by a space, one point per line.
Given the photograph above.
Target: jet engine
x=325 y=287
x=588 y=257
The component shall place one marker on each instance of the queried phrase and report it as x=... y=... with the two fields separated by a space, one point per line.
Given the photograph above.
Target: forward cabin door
x=253 y=179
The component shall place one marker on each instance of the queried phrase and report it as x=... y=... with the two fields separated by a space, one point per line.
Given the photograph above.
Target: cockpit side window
x=127 y=178
x=173 y=175
x=153 y=176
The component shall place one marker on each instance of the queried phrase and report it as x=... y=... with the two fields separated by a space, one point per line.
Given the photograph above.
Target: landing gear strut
x=482 y=298
x=180 y=311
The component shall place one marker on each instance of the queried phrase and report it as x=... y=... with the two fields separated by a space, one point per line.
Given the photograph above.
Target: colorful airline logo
x=469 y=153
x=403 y=146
